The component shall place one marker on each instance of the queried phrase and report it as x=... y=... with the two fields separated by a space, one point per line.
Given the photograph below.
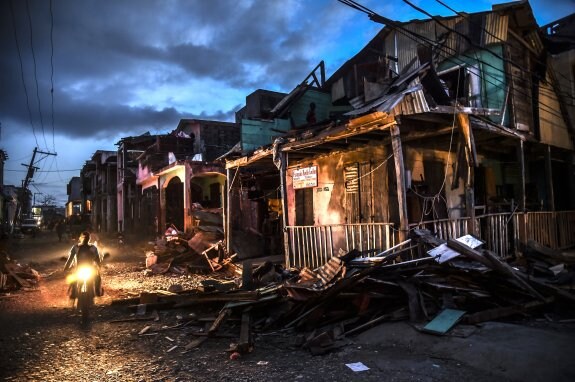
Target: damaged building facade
x=455 y=124
x=161 y=179
x=99 y=191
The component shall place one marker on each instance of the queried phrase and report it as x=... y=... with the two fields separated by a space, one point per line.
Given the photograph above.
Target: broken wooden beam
x=224 y=313
x=245 y=342
x=495 y=313
x=469 y=252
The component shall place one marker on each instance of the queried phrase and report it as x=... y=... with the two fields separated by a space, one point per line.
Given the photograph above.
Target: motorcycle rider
x=84 y=253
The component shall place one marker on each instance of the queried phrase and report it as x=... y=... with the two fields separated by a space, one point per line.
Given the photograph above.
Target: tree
x=47 y=200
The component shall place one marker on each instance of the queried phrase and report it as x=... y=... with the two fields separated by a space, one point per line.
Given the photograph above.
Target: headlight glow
x=85 y=273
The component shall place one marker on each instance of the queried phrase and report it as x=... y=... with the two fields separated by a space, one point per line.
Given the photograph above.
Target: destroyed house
x=99 y=177
x=455 y=124
x=177 y=174
x=131 y=214
x=254 y=193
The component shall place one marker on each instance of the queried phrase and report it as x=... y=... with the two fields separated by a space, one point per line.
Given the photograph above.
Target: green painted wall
x=493 y=81
x=257 y=133
x=300 y=108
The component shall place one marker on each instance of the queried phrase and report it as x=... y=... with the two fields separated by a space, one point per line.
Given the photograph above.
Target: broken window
x=462 y=84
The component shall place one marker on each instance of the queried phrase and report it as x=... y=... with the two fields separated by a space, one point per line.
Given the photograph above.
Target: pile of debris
x=14 y=276
x=433 y=284
x=201 y=252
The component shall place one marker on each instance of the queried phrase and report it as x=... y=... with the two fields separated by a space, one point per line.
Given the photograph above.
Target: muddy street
x=42 y=338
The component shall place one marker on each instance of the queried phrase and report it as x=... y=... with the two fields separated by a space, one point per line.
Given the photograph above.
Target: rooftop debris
x=322 y=307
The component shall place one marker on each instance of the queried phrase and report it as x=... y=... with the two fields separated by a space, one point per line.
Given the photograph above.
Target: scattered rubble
x=435 y=285
x=203 y=251
x=14 y=276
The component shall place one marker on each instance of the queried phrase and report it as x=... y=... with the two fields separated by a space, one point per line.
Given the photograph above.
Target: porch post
x=570 y=160
x=227 y=208
x=400 y=175
x=161 y=208
x=549 y=176
x=521 y=160
x=471 y=154
x=285 y=220
x=470 y=198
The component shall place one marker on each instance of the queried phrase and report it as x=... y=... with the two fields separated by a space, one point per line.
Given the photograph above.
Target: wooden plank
x=224 y=313
x=245 y=342
x=400 y=175
x=506 y=269
x=11 y=270
x=195 y=343
x=495 y=313
x=468 y=252
x=415 y=311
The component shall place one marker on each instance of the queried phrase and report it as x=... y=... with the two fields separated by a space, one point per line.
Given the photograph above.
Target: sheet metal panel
x=551 y=123
x=407 y=44
x=495 y=28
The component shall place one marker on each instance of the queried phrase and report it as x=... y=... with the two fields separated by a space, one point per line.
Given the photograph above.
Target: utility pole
x=26 y=182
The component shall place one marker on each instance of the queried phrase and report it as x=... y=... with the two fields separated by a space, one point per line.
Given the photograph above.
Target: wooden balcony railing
x=312 y=246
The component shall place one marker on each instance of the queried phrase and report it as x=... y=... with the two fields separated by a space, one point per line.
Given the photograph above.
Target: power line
x=22 y=72
x=52 y=70
x=466 y=38
x=493 y=35
x=37 y=171
x=35 y=71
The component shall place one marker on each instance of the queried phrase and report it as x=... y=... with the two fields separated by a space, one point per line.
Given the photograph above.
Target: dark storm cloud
x=105 y=51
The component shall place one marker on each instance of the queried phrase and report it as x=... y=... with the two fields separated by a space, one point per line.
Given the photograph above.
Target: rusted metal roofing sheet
x=388 y=102
x=412 y=103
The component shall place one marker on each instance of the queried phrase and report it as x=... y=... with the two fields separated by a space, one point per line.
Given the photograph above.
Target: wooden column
x=400 y=176
x=521 y=161
x=549 y=176
x=285 y=220
x=570 y=160
x=471 y=155
x=161 y=208
x=470 y=198
x=227 y=210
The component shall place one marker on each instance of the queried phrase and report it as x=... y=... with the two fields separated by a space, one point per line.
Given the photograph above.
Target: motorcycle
x=86 y=284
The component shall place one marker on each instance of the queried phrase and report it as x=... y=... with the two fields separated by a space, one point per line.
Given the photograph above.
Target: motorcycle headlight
x=85 y=273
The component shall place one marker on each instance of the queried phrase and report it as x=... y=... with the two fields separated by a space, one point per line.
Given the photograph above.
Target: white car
x=29 y=226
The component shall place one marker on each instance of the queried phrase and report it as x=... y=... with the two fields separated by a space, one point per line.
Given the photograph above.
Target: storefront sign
x=305 y=177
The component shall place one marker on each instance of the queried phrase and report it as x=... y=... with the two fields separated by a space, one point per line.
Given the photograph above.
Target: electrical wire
x=35 y=72
x=52 y=71
x=418 y=38
x=22 y=72
x=495 y=36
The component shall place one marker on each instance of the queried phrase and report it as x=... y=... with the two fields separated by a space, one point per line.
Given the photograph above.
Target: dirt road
x=41 y=339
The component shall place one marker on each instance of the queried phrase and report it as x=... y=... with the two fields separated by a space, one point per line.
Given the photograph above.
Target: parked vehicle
x=29 y=225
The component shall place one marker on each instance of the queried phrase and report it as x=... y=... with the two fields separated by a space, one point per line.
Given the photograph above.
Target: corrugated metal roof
x=387 y=102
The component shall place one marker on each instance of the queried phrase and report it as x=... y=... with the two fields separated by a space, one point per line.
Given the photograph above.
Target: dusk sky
x=125 y=67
